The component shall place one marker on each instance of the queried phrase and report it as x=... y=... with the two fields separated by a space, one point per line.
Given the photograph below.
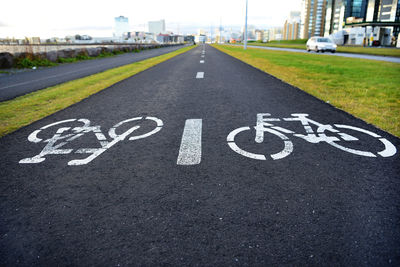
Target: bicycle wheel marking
x=264 y=124
x=389 y=150
x=231 y=142
x=68 y=134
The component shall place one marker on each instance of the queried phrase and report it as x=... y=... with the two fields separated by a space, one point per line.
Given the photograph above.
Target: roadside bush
x=82 y=55
x=117 y=52
x=29 y=60
x=23 y=63
x=66 y=60
x=105 y=54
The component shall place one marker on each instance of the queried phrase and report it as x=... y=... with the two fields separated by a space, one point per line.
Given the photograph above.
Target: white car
x=321 y=44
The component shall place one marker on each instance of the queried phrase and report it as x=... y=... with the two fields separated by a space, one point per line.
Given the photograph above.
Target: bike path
x=140 y=202
x=22 y=83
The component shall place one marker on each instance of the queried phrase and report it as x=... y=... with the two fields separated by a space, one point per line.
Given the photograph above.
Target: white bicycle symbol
x=264 y=125
x=68 y=134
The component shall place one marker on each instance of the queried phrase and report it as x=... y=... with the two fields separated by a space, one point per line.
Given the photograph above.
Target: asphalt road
x=350 y=55
x=190 y=186
x=22 y=83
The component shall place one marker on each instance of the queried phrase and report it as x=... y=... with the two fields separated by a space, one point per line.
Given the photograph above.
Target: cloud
x=2 y=24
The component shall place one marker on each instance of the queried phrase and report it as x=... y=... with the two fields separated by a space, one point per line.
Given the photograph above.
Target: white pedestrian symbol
x=265 y=125
x=64 y=135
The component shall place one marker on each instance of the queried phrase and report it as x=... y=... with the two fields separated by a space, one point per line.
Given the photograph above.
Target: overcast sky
x=50 y=18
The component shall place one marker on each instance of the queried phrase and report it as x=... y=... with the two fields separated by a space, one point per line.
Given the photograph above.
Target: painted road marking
x=325 y=133
x=201 y=61
x=200 y=75
x=65 y=135
x=202 y=55
x=190 y=150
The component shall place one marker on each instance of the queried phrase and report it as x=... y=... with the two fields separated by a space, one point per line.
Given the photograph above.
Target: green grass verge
x=365 y=88
x=26 y=109
x=392 y=52
x=297 y=41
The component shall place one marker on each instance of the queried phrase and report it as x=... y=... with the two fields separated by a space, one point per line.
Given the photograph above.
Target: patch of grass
x=106 y=54
x=83 y=57
x=297 y=41
x=117 y=52
x=367 y=89
x=26 y=109
x=23 y=63
x=392 y=52
x=66 y=60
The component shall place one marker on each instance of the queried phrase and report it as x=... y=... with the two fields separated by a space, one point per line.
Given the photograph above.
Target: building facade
x=312 y=18
x=121 y=26
x=356 y=8
x=157 y=27
x=291 y=28
x=378 y=23
x=335 y=14
x=259 y=35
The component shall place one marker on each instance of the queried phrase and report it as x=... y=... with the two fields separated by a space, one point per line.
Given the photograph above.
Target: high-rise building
x=355 y=8
x=259 y=35
x=121 y=26
x=291 y=29
x=274 y=34
x=157 y=27
x=312 y=18
x=363 y=22
x=383 y=10
x=334 y=19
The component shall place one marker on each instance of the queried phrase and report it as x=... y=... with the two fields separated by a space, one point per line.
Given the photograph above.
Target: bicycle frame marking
x=264 y=124
x=52 y=148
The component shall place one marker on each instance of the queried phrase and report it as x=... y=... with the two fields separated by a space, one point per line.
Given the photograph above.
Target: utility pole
x=245 y=30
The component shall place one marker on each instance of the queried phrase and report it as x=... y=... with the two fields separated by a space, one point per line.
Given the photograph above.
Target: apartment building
x=312 y=18
x=291 y=28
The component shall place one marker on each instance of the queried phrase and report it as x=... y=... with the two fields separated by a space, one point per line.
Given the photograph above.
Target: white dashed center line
x=200 y=75
x=201 y=61
x=190 y=150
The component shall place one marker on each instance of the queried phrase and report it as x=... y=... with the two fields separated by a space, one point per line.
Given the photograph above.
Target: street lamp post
x=245 y=30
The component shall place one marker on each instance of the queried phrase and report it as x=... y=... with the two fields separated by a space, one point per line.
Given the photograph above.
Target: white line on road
x=200 y=75
x=201 y=61
x=190 y=150
x=202 y=55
